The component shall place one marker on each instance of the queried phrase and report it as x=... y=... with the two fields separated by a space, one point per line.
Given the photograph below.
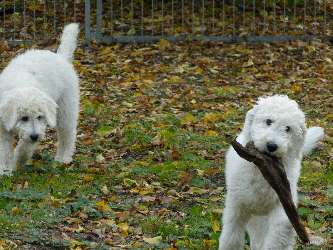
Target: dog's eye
x=287 y=129
x=25 y=118
x=269 y=122
x=39 y=117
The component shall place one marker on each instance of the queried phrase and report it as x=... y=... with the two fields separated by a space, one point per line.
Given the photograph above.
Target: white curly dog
x=277 y=127
x=39 y=88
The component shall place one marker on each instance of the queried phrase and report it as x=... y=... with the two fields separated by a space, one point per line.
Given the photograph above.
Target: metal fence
x=174 y=20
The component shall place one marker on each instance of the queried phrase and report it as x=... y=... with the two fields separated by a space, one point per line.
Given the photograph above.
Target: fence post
x=87 y=22
x=99 y=17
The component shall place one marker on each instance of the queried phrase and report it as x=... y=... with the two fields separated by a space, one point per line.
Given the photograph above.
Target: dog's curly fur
x=37 y=89
x=277 y=127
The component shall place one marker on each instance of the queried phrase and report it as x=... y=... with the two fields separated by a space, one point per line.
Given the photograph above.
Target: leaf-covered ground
x=155 y=123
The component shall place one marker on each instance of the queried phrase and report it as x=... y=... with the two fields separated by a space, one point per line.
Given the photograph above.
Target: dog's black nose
x=34 y=137
x=271 y=146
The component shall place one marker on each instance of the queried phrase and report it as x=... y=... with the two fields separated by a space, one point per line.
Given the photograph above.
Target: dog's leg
x=233 y=231
x=23 y=152
x=6 y=154
x=66 y=134
x=66 y=143
x=67 y=117
x=257 y=228
x=281 y=234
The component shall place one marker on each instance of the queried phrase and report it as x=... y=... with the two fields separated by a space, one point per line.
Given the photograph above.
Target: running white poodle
x=37 y=89
x=277 y=127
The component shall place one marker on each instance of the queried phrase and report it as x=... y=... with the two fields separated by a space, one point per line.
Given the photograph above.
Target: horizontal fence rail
x=174 y=20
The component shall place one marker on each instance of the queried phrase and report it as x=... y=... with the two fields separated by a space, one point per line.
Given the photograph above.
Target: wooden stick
x=273 y=171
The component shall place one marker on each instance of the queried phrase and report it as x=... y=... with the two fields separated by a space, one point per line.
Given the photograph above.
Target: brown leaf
x=175 y=154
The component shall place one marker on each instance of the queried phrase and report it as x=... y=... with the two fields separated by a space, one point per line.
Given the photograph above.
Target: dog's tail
x=68 y=41
x=313 y=134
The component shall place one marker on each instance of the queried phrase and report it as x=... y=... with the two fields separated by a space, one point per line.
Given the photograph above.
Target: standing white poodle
x=277 y=127
x=37 y=89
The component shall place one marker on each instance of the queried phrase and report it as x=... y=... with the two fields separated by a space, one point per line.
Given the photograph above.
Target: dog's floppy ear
x=49 y=108
x=9 y=106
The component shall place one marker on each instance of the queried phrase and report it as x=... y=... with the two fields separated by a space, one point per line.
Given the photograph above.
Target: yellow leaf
x=105 y=190
x=106 y=51
x=175 y=79
x=123 y=226
x=104 y=206
x=110 y=221
x=199 y=71
x=249 y=63
x=189 y=118
x=145 y=192
x=100 y=158
x=210 y=117
x=155 y=240
x=86 y=101
x=211 y=133
x=15 y=210
x=162 y=44
x=215 y=226
x=112 y=198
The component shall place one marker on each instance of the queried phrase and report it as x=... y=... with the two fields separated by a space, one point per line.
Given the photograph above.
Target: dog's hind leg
x=66 y=134
x=23 y=152
x=66 y=143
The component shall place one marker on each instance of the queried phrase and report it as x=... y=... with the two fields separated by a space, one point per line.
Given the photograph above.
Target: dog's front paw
x=63 y=159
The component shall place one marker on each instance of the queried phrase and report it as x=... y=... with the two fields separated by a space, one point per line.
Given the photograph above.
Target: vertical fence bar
x=203 y=17
x=142 y=27
x=325 y=16
x=65 y=12
x=4 y=20
x=132 y=14
x=264 y=14
x=173 y=18
x=223 y=17
x=99 y=13
x=314 y=18
x=14 y=22
x=213 y=17
x=233 y=18
x=183 y=18
x=162 y=18
x=254 y=17
x=152 y=17
x=274 y=16
x=193 y=17
x=111 y=18
x=54 y=19
x=284 y=17
x=121 y=15
x=74 y=11
x=244 y=14
x=44 y=21
x=295 y=17
x=34 y=20
x=304 y=22
x=87 y=21
x=24 y=20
